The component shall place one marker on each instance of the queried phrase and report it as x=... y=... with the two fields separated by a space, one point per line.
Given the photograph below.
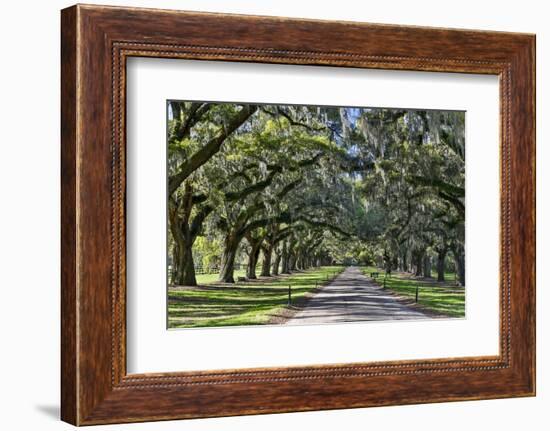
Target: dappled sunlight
x=245 y=303
x=262 y=197
x=441 y=297
x=349 y=297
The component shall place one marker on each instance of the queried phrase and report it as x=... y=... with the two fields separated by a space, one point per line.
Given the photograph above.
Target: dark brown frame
x=95 y=43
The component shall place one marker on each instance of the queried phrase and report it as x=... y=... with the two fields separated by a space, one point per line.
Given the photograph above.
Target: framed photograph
x=267 y=215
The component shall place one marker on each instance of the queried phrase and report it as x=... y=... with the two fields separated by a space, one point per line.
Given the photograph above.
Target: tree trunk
x=285 y=264
x=186 y=268
x=255 y=243
x=285 y=259
x=419 y=257
x=267 y=251
x=459 y=262
x=175 y=259
x=228 y=259
x=387 y=262
x=299 y=262
x=427 y=266
x=253 y=261
x=183 y=273
x=276 y=263
x=292 y=262
x=441 y=254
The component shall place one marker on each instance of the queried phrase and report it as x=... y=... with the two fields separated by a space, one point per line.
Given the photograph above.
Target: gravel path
x=352 y=296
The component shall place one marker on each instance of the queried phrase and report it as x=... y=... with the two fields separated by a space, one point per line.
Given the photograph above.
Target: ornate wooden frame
x=95 y=43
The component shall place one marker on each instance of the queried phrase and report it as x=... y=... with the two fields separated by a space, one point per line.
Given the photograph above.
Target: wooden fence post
x=289 y=295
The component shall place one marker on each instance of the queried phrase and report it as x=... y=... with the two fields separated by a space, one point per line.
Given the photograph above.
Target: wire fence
x=419 y=286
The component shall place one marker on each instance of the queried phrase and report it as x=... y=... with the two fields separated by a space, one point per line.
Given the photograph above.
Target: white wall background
x=29 y=214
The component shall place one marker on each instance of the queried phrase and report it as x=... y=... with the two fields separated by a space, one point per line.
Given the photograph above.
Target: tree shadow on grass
x=223 y=304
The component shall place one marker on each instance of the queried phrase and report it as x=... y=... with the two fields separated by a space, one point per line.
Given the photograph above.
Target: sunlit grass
x=213 y=278
x=449 y=276
x=244 y=303
x=444 y=298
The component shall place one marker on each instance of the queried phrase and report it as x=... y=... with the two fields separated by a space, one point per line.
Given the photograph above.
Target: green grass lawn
x=213 y=278
x=245 y=303
x=449 y=276
x=444 y=298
